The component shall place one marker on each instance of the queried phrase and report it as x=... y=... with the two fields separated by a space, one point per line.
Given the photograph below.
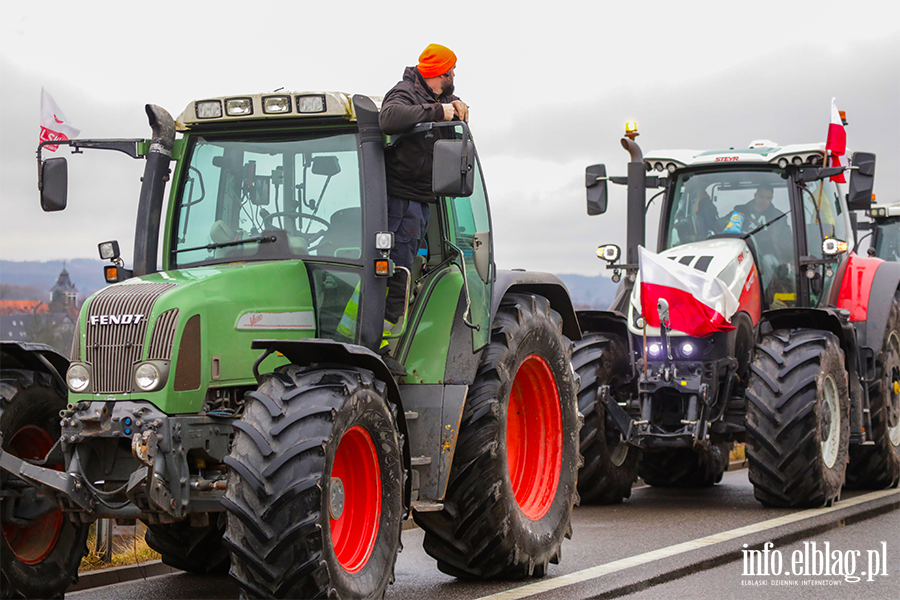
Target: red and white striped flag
x=700 y=304
x=54 y=125
x=836 y=142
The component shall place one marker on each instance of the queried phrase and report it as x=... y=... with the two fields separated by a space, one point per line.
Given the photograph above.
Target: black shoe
x=396 y=369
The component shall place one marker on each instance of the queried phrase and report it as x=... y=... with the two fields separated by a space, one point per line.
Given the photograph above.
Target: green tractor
x=237 y=398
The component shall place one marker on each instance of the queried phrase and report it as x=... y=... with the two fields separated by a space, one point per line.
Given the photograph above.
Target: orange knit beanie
x=436 y=60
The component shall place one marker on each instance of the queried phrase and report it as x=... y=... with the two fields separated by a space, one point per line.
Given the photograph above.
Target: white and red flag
x=836 y=142
x=700 y=304
x=54 y=125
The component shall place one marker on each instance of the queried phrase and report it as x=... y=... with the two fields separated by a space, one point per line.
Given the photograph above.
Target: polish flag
x=836 y=142
x=699 y=304
x=54 y=125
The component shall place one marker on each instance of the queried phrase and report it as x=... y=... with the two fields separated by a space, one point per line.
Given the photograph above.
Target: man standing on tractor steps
x=424 y=95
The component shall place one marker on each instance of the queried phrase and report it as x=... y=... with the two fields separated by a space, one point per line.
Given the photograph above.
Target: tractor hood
x=196 y=323
x=729 y=259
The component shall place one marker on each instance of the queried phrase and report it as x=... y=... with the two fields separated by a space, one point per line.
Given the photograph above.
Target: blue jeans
x=408 y=219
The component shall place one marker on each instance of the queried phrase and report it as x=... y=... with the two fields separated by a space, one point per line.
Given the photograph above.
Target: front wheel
x=798 y=419
x=39 y=557
x=513 y=481
x=610 y=465
x=314 y=498
x=685 y=467
x=191 y=549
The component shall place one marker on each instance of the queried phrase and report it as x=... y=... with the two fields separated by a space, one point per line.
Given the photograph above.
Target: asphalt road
x=660 y=543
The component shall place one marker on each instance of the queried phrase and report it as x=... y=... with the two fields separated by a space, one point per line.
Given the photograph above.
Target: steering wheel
x=267 y=220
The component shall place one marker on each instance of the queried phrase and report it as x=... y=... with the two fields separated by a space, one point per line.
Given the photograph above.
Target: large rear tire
x=878 y=466
x=41 y=559
x=798 y=419
x=191 y=549
x=315 y=492
x=513 y=481
x=610 y=465
x=684 y=467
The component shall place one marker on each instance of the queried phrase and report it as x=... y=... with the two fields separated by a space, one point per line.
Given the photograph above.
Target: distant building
x=63 y=295
x=15 y=307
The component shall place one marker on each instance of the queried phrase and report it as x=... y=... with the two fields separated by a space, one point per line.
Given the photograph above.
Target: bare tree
x=53 y=329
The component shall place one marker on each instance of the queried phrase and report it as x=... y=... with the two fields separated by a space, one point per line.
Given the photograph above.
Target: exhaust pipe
x=156 y=175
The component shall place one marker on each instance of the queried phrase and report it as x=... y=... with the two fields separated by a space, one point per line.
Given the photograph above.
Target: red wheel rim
x=534 y=437
x=353 y=533
x=32 y=543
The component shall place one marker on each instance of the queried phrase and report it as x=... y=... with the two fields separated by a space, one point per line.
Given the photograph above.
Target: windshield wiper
x=764 y=225
x=261 y=239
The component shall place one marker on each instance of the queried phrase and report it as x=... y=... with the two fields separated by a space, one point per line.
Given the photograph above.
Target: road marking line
x=640 y=559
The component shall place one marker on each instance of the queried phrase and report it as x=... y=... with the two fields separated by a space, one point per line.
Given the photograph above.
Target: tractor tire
x=878 y=466
x=513 y=482
x=191 y=549
x=684 y=467
x=610 y=465
x=315 y=494
x=39 y=560
x=798 y=419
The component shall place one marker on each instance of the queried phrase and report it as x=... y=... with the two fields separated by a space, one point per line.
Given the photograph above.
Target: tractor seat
x=344 y=236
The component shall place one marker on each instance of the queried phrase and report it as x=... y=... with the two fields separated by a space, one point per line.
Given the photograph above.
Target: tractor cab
x=782 y=213
x=885 y=228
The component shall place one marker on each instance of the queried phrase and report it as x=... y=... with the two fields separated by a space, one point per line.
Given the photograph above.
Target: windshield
x=269 y=198
x=754 y=204
x=705 y=204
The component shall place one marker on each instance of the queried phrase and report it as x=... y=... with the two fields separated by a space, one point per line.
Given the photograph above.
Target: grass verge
x=127 y=550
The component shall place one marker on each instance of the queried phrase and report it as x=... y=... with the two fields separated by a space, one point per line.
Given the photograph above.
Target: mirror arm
x=128 y=146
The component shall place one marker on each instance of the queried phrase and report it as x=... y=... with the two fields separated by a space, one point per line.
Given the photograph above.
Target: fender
x=309 y=351
x=35 y=357
x=549 y=286
x=603 y=321
x=883 y=288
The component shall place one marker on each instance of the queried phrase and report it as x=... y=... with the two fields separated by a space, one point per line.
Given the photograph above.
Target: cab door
x=468 y=222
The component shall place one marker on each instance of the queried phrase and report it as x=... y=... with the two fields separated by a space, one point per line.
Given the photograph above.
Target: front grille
x=163 y=336
x=114 y=342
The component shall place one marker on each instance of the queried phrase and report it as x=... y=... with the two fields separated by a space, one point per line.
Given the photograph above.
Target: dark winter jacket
x=408 y=162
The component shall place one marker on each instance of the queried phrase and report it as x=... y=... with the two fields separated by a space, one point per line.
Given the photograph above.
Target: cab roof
x=268 y=106
x=759 y=152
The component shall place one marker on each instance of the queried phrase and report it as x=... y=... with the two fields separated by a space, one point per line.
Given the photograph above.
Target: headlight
x=384 y=240
x=78 y=377
x=833 y=247
x=609 y=253
x=276 y=104
x=147 y=377
x=238 y=107
x=688 y=349
x=310 y=104
x=208 y=109
x=654 y=349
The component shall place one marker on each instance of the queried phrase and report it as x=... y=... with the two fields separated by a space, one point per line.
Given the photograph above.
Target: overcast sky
x=550 y=87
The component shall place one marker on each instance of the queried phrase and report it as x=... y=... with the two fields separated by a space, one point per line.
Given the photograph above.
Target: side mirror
x=54 y=184
x=596 y=185
x=453 y=172
x=862 y=180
